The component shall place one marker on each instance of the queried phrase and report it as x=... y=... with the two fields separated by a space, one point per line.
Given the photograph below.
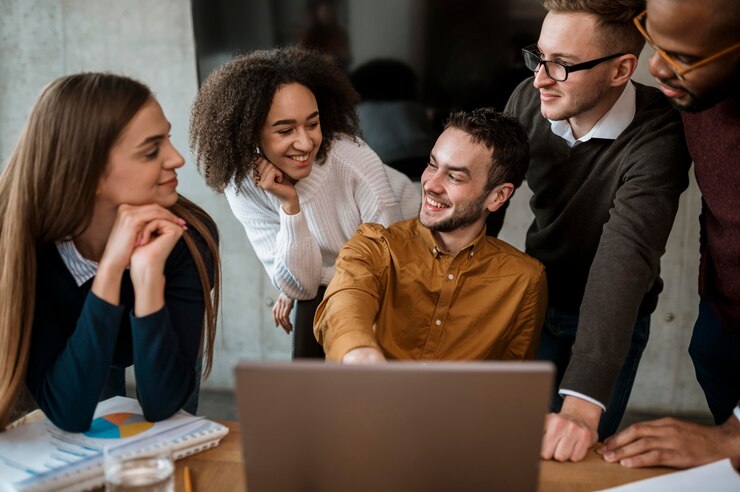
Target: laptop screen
x=398 y=426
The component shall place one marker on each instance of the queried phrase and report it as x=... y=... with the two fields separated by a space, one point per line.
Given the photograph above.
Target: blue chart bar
x=18 y=466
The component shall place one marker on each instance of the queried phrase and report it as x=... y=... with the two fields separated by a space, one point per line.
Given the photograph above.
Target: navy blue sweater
x=77 y=337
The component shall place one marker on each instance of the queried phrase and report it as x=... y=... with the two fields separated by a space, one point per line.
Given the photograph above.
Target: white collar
x=610 y=126
x=81 y=268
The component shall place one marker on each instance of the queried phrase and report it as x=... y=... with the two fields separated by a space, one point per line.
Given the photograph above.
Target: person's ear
x=625 y=68
x=498 y=196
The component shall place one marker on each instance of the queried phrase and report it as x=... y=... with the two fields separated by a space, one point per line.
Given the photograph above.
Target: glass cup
x=150 y=471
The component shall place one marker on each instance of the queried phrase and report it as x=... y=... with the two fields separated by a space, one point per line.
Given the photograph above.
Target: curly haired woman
x=276 y=130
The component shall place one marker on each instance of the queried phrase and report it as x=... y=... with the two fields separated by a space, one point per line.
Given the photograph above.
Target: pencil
x=186 y=480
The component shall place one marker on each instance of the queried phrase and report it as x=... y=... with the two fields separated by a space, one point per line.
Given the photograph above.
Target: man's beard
x=466 y=216
x=580 y=102
x=699 y=103
x=695 y=104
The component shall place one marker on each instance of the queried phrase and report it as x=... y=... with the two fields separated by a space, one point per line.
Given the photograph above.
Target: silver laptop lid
x=401 y=426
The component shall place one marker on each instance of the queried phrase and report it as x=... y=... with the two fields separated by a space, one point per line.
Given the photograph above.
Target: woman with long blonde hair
x=102 y=263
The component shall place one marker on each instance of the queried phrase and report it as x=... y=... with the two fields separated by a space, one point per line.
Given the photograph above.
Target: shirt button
x=438 y=322
x=450 y=276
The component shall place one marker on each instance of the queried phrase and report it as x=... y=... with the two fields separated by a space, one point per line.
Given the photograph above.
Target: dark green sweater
x=603 y=211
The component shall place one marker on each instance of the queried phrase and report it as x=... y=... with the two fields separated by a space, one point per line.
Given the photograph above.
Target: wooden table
x=221 y=469
x=593 y=473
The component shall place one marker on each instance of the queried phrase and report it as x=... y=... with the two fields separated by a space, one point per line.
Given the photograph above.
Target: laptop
x=400 y=426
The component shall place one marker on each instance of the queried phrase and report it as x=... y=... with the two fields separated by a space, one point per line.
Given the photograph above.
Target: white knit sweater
x=298 y=251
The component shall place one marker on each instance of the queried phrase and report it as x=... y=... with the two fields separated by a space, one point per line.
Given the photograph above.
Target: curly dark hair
x=233 y=103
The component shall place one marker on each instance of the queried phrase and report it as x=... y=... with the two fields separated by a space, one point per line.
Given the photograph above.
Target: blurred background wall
x=464 y=54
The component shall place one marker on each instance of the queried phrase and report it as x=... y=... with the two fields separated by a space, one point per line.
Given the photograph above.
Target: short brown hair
x=503 y=136
x=234 y=101
x=614 y=20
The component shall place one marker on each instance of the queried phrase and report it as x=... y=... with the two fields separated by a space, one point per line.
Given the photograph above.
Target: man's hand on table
x=674 y=443
x=571 y=433
x=363 y=355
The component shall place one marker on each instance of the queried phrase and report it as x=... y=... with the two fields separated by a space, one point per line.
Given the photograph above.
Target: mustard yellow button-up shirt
x=394 y=289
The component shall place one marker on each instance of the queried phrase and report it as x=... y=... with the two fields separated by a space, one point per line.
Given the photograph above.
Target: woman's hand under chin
x=142 y=238
x=156 y=241
x=274 y=181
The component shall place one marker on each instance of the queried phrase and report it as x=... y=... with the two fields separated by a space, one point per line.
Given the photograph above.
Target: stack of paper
x=39 y=456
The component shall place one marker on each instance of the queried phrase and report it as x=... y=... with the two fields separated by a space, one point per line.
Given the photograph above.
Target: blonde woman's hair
x=47 y=193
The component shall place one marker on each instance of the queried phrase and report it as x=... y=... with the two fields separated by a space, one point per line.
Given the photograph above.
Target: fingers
x=266 y=174
x=648 y=451
x=619 y=439
x=131 y=214
x=638 y=431
x=271 y=179
x=281 y=312
x=566 y=439
x=646 y=444
x=635 y=448
x=157 y=228
x=564 y=448
x=582 y=443
x=128 y=232
x=282 y=318
x=287 y=325
x=549 y=440
x=141 y=222
x=653 y=457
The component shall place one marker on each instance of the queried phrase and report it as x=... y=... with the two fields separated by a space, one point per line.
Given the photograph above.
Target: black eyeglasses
x=556 y=70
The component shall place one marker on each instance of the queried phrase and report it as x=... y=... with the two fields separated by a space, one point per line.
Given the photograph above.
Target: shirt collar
x=431 y=242
x=81 y=268
x=610 y=126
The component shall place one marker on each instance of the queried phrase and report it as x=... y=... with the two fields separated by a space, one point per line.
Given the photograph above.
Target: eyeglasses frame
x=678 y=68
x=568 y=68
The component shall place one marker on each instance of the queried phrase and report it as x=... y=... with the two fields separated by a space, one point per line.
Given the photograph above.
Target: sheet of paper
x=717 y=477
x=40 y=448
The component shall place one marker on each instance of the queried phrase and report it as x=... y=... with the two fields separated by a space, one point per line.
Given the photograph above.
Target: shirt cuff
x=336 y=350
x=566 y=392
x=151 y=319
x=286 y=216
x=737 y=412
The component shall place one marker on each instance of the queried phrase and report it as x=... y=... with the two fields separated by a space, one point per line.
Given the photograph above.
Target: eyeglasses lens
x=554 y=70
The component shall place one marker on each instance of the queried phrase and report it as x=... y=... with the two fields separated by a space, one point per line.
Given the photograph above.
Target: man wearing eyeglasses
x=697 y=65
x=608 y=164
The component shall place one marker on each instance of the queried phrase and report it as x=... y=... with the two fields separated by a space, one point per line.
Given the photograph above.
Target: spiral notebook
x=39 y=457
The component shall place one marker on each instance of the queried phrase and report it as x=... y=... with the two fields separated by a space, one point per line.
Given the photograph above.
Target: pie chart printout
x=118 y=425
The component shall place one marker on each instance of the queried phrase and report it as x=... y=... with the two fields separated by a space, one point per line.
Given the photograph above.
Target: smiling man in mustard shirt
x=436 y=287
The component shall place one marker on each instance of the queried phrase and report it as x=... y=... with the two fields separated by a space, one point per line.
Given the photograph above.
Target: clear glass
x=152 y=471
x=554 y=70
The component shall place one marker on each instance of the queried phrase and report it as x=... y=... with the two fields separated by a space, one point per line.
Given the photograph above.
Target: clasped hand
x=142 y=238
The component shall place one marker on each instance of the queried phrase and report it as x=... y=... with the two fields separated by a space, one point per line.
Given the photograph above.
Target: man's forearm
x=344 y=321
